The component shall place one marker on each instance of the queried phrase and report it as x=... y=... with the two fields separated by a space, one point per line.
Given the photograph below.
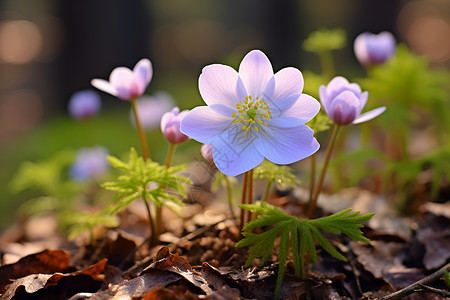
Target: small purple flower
x=252 y=114
x=170 y=126
x=84 y=104
x=207 y=153
x=373 y=49
x=127 y=84
x=344 y=101
x=151 y=109
x=89 y=163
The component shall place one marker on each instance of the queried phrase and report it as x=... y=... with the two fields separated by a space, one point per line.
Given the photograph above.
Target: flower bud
x=373 y=49
x=170 y=126
x=207 y=153
x=84 y=104
x=89 y=163
x=344 y=101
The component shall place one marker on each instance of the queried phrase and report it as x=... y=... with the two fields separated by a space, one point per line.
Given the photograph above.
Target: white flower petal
x=218 y=84
x=288 y=87
x=287 y=145
x=104 y=86
x=369 y=115
x=304 y=109
x=204 y=124
x=255 y=71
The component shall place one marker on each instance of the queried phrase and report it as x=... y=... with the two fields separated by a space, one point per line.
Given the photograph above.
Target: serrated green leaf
x=296 y=233
x=326 y=245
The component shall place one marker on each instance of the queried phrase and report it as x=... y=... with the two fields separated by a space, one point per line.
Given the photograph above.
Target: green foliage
x=407 y=83
x=79 y=222
x=46 y=177
x=297 y=235
x=447 y=277
x=324 y=40
x=274 y=173
x=146 y=180
x=321 y=122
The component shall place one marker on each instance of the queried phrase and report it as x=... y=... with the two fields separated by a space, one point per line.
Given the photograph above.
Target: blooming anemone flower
x=170 y=126
x=150 y=109
x=127 y=84
x=344 y=101
x=89 y=163
x=252 y=114
x=84 y=104
x=373 y=49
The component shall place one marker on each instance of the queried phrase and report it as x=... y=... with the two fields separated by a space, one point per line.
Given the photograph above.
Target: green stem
x=243 y=199
x=140 y=130
x=229 y=196
x=312 y=204
x=312 y=177
x=250 y=194
x=326 y=60
x=158 y=222
x=266 y=191
x=154 y=238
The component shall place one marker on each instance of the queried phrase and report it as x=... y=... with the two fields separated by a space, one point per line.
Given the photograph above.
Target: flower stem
x=154 y=238
x=153 y=231
x=326 y=61
x=158 y=223
x=244 y=199
x=266 y=192
x=229 y=196
x=313 y=202
x=250 y=194
x=312 y=177
x=140 y=130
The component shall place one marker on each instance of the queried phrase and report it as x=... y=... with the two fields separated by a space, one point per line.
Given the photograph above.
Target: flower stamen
x=253 y=113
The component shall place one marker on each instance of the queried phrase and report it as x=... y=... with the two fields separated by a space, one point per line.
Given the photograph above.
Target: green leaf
x=274 y=173
x=147 y=180
x=297 y=234
x=325 y=40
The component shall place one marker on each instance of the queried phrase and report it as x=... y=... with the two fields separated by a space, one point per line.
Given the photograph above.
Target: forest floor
x=197 y=257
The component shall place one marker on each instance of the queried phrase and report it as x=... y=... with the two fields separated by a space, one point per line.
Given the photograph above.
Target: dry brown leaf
x=45 y=262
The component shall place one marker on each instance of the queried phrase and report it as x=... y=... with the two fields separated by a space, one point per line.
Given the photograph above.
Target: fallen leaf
x=45 y=262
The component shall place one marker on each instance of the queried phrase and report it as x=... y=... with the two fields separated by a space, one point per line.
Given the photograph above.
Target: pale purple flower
x=344 y=101
x=127 y=84
x=89 y=163
x=252 y=114
x=150 y=109
x=373 y=49
x=84 y=104
x=170 y=126
x=207 y=153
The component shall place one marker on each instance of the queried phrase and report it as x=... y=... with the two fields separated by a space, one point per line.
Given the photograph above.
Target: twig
x=417 y=285
x=435 y=290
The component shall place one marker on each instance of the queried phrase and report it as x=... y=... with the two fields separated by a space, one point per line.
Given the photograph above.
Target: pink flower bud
x=343 y=102
x=207 y=153
x=170 y=126
x=84 y=104
x=373 y=49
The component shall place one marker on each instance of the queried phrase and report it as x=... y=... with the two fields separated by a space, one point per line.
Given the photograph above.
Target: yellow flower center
x=252 y=114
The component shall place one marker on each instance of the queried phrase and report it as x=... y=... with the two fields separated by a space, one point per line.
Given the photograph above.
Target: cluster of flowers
x=250 y=114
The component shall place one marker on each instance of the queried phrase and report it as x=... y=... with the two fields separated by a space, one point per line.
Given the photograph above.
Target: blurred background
x=51 y=49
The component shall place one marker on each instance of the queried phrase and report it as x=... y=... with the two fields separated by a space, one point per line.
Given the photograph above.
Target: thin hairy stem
x=158 y=210
x=140 y=130
x=267 y=191
x=243 y=200
x=312 y=177
x=229 y=196
x=312 y=204
x=250 y=194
